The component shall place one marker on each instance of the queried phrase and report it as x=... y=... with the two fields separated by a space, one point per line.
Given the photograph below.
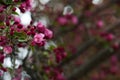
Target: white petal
x=25 y=18
x=22 y=52
x=18 y=63
x=7 y=63
x=7 y=76
x=18 y=10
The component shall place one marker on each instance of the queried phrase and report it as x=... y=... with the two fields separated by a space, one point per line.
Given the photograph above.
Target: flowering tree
x=39 y=37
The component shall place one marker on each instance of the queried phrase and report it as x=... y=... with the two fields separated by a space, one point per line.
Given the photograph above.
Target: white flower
x=7 y=76
x=25 y=18
x=7 y=63
x=18 y=63
x=22 y=53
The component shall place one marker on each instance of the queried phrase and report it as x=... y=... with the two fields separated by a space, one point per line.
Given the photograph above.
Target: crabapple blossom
x=48 y=34
x=38 y=38
x=7 y=49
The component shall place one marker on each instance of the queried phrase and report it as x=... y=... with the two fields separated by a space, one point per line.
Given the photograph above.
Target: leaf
x=15 y=13
x=1 y=23
x=8 y=2
x=45 y=77
x=21 y=36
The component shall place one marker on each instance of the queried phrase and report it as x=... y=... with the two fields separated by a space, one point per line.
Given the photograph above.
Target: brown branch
x=91 y=64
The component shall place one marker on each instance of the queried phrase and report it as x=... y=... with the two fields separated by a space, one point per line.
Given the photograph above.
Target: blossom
x=41 y=28
x=48 y=34
x=62 y=20
x=60 y=54
x=7 y=62
x=38 y=38
x=3 y=40
x=16 y=20
x=7 y=49
x=100 y=24
x=7 y=76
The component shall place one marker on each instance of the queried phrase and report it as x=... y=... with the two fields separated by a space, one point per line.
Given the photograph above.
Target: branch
x=81 y=49
x=91 y=64
x=86 y=45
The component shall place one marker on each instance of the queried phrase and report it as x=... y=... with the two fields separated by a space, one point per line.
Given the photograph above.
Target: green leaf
x=15 y=13
x=1 y=23
x=45 y=77
x=8 y=2
x=21 y=36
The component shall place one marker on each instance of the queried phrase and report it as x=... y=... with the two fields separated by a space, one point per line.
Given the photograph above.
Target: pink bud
x=17 y=20
x=20 y=26
x=7 y=49
x=41 y=28
x=100 y=24
x=116 y=46
x=74 y=20
x=48 y=34
x=7 y=22
x=113 y=69
x=109 y=37
x=2 y=8
x=62 y=20
x=14 y=9
x=113 y=60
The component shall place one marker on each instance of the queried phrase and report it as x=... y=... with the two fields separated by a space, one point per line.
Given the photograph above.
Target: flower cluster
x=14 y=34
x=60 y=54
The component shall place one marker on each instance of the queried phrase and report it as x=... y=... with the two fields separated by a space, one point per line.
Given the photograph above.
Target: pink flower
x=7 y=49
x=100 y=24
x=2 y=17
x=74 y=19
x=38 y=38
x=114 y=69
x=60 y=54
x=3 y=40
x=41 y=28
x=62 y=20
x=48 y=34
x=2 y=8
x=109 y=37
